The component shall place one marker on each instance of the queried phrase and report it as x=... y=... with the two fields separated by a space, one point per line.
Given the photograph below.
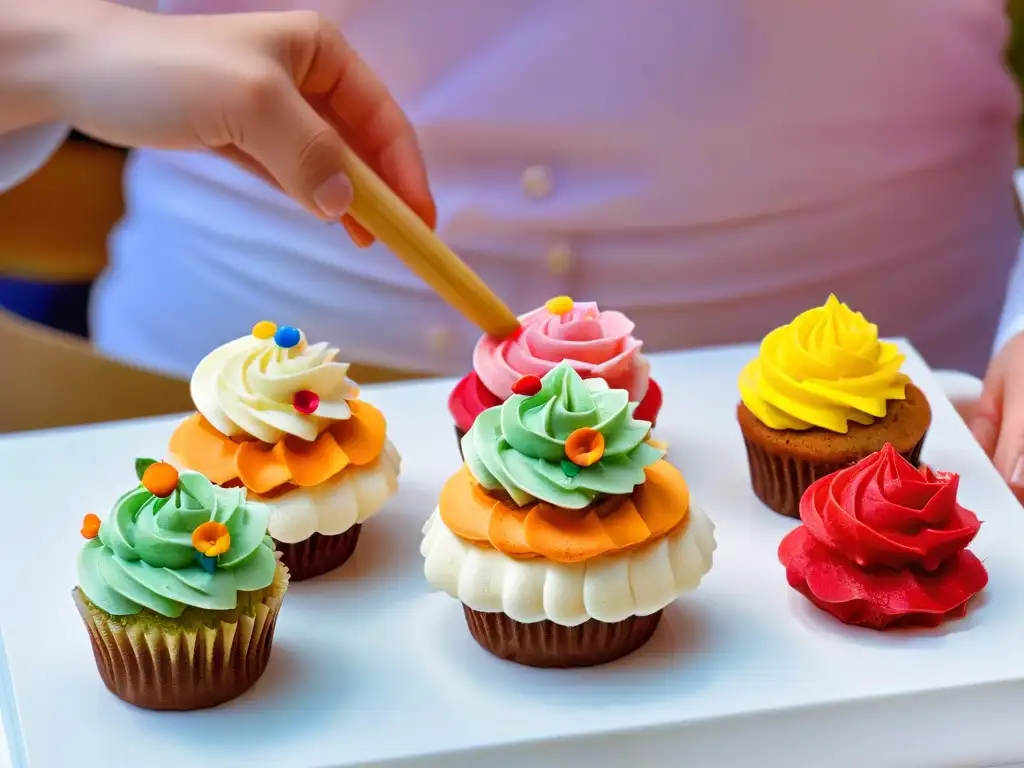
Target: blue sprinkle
x=209 y=564
x=570 y=469
x=287 y=336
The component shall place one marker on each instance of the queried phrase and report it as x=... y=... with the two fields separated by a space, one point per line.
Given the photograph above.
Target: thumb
x=301 y=152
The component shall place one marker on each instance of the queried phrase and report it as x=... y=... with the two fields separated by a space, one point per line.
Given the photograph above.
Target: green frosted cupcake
x=180 y=589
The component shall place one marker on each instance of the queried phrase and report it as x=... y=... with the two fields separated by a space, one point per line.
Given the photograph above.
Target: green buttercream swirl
x=519 y=445
x=143 y=556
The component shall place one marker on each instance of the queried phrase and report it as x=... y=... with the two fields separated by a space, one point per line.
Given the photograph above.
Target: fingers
x=986 y=414
x=357 y=102
x=274 y=125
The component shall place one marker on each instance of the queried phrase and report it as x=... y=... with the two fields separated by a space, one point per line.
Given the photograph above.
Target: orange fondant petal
x=201 y=447
x=362 y=435
x=564 y=536
x=313 y=463
x=261 y=467
x=625 y=527
x=464 y=507
x=506 y=532
x=663 y=501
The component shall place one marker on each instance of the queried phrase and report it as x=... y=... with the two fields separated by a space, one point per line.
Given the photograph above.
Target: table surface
x=370 y=651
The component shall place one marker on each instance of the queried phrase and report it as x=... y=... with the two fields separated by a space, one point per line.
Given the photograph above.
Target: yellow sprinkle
x=559 y=305
x=264 y=329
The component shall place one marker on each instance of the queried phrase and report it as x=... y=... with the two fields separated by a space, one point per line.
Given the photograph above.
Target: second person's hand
x=278 y=93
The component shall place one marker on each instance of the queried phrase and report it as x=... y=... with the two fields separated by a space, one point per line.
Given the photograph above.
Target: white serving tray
x=370 y=667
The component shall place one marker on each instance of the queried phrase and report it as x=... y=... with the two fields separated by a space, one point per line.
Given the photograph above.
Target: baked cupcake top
x=563 y=470
x=173 y=542
x=598 y=343
x=824 y=370
x=275 y=411
x=883 y=543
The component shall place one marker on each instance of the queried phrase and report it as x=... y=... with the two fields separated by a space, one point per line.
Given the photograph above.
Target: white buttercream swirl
x=348 y=498
x=611 y=588
x=247 y=386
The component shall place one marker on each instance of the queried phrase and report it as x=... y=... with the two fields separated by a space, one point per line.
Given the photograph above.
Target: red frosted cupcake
x=883 y=544
x=598 y=344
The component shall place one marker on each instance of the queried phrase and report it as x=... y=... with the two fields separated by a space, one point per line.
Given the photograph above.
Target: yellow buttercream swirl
x=825 y=369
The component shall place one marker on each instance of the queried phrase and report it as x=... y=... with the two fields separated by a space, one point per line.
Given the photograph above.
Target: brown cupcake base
x=546 y=644
x=319 y=553
x=784 y=463
x=192 y=667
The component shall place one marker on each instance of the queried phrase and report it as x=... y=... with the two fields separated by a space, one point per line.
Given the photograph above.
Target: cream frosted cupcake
x=281 y=417
x=180 y=590
x=566 y=533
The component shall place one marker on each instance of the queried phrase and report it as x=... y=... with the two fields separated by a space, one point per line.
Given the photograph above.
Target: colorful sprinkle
x=211 y=538
x=160 y=479
x=585 y=446
x=90 y=526
x=559 y=305
x=305 y=402
x=287 y=336
x=570 y=469
x=528 y=385
x=264 y=329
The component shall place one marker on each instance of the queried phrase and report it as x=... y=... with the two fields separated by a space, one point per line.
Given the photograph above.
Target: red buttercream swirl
x=884 y=544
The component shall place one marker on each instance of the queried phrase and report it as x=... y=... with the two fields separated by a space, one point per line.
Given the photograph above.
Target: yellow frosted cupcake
x=281 y=417
x=823 y=393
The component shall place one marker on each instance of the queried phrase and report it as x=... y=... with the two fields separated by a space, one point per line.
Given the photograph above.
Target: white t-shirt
x=711 y=167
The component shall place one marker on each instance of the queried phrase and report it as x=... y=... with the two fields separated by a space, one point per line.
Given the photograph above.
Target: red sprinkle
x=528 y=385
x=306 y=402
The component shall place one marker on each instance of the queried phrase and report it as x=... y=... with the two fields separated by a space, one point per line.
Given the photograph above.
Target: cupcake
x=565 y=533
x=883 y=544
x=179 y=589
x=823 y=393
x=281 y=417
x=597 y=344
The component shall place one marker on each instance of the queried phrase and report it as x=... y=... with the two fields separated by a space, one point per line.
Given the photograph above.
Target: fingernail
x=1017 y=475
x=334 y=196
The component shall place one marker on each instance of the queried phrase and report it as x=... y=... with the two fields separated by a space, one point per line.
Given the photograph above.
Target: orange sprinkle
x=585 y=446
x=90 y=526
x=160 y=479
x=211 y=538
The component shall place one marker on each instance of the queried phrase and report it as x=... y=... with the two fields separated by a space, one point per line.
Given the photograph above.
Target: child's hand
x=275 y=92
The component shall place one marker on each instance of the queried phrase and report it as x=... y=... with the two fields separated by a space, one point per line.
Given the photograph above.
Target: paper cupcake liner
x=546 y=644
x=779 y=480
x=154 y=665
x=319 y=553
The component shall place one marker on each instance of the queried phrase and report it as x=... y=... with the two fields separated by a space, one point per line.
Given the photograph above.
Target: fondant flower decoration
x=160 y=479
x=305 y=401
x=287 y=336
x=264 y=329
x=560 y=305
x=90 y=526
x=584 y=446
x=211 y=539
x=528 y=385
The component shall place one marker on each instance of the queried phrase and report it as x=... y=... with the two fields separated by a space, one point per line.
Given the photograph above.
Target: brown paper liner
x=779 y=481
x=319 y=553
x=546 y=644
x=195 y=666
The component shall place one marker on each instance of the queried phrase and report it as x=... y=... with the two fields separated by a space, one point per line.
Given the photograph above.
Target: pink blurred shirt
x=710 y=167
